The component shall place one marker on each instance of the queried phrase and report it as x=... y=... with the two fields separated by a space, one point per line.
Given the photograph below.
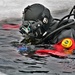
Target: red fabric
x=42 y=52
x=11 y=26
x=59 y=50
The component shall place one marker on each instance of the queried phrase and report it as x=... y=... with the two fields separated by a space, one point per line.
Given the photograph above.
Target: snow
x=14 y=8
x=2 y=73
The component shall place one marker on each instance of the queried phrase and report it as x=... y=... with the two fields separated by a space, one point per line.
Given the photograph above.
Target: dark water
x=12 y=63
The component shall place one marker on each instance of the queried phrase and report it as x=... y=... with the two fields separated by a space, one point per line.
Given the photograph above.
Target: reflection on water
x=13 y=63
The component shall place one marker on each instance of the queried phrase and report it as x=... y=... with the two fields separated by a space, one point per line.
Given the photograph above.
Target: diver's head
x=36 y=20
x=37 y=12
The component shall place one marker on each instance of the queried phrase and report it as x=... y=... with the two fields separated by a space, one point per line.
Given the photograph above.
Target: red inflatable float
x=11 y=26
x=62 y=49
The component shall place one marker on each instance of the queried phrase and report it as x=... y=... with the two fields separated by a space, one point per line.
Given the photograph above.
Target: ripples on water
x=13 y=63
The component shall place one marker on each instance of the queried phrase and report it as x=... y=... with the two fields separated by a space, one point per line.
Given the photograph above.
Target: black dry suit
x=65 y=28
x=38 y=26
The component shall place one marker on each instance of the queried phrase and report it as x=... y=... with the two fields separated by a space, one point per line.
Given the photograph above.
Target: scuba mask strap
x=43 y=17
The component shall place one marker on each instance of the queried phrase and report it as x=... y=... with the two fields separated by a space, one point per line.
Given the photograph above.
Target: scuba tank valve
x=66 y=43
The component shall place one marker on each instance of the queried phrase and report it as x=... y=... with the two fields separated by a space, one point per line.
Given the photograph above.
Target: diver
x=39 y=27
x=37 y=22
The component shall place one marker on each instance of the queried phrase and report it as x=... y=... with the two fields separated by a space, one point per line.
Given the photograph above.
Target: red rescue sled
x=59 y=49
x=11 y=26
x=42 y=52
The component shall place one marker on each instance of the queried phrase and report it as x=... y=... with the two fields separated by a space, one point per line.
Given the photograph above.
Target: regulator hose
x=64 y=18
x=71 y=11
x=58 y=29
